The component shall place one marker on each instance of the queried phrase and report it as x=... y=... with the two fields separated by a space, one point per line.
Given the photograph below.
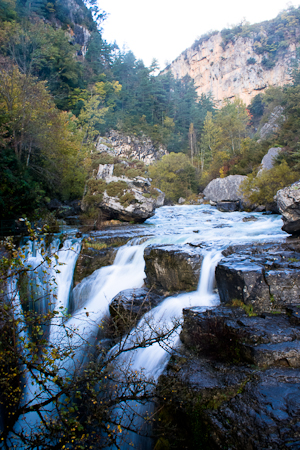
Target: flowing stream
x=203 y=227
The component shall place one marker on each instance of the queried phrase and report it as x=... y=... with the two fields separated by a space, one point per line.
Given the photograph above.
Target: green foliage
x=247 y=308
x=174 y=175
x=127 y=198
x=251 y=61
x=116 y=188
x=262 y=188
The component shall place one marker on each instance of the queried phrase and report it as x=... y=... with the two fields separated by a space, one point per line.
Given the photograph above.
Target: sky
x=162 y=29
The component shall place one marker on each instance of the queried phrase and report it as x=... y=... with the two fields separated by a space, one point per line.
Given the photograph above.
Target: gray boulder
x=224 y=189
x=288 y=203
x=134 y=201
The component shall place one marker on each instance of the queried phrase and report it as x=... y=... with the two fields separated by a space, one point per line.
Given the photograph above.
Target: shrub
x=127 y=198
x=251 y=61
x=262 y=188
x=116 y=188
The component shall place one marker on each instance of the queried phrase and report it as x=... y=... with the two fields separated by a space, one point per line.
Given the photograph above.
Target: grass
x=247 y=308
x=96 y=245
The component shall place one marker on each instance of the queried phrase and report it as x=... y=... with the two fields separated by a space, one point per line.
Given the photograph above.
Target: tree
x=174 y=175
x=61 y=393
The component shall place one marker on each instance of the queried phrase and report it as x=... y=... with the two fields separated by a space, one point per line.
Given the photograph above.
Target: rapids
x=202 y=226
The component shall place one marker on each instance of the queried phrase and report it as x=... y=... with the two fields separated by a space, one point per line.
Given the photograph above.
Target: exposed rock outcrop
x=239 y=377
x=172 y=268
x=242 y=404
x=288 y=202
x=129 y=146
x=265 y=277
x=233 y=71
x=274 y=122
x=267 y=162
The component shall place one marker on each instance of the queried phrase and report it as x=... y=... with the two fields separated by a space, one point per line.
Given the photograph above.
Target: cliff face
x=225 y=73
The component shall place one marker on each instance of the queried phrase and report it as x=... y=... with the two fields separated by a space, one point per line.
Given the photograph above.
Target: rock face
x=228 y=73
x=172 y=268
x=288 y=202
x=265 y=277
x=268 y=160
x=274 y=122
x=130 y=305
x=131 y=200
x=225 y=192
x=240 y=377
x=125 y=146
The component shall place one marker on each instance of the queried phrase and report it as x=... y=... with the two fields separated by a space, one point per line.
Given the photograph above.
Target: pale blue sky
x=162 y=29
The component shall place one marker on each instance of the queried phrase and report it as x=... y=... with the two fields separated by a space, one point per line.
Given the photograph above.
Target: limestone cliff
x=244 y=66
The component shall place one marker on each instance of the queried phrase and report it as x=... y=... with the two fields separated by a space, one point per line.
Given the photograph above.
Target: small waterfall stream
x=201 y=226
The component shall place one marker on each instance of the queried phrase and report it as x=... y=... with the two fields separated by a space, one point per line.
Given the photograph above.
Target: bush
x=116 y=188
x=251 y=61
x=260 y=189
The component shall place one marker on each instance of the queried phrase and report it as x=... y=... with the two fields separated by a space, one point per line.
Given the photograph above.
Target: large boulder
x=172 y=268
x=121 y=197
x=225 y=192
x=288 y=203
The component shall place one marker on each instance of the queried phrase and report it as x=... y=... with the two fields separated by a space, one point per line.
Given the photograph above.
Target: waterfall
x=48 y=283
x=152 y=360
x=201 y=226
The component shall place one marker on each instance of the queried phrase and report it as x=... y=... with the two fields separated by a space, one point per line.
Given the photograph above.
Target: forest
x=62 y=85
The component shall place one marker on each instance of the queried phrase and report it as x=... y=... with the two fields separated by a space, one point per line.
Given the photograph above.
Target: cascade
x=152 y=360
x=201 y=226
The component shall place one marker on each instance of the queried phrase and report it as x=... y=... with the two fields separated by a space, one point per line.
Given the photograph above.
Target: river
x=204 y=227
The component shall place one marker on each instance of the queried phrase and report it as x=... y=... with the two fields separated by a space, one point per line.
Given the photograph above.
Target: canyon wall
x=230 y=72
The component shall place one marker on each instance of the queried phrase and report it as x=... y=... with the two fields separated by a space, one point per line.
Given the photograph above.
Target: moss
x=247 y=308
x=132 y=172
x=96 y=245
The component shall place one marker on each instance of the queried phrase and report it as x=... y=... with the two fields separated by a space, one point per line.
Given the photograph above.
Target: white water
x=52 y=282
x=197 y=225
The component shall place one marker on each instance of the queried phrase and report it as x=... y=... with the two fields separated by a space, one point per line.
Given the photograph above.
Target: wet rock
x=288 y=202
x=224 y=189
x=95 y=254
x=228 y=206
x=250 y=219
x=293 y=313
x=260 y=340
x=265 y=415
x=245 y=281
x=204 y=331
x=130 y=305
x=172 y=268
x=264 y=276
